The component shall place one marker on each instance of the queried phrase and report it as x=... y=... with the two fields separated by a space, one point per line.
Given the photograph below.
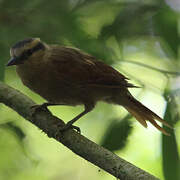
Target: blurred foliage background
x=140 y=38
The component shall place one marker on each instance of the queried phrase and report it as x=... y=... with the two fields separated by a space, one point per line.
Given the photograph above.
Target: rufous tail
x=143 y=114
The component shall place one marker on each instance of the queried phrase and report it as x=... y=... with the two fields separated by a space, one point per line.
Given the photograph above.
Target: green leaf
x=128 y=23
x=171 y=160
x=14 y=129
x=117 y=133
x=166 y=26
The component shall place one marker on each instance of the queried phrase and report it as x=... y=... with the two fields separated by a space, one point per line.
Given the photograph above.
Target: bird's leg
x=42 y=107
x=69 y=124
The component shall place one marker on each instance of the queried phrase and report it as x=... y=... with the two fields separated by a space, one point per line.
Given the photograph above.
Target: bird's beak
x=12 y=61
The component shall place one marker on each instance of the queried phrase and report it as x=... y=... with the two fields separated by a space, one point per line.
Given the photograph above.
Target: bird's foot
x=38 y=108
x=70 y=126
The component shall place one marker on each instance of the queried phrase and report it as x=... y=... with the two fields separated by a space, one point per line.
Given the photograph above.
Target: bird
x=65 y=75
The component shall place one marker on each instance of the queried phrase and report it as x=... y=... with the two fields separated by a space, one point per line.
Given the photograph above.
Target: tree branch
x=174 y=73
x=79 y=144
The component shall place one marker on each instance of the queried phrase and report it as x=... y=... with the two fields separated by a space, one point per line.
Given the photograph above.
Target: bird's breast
x=47 y=85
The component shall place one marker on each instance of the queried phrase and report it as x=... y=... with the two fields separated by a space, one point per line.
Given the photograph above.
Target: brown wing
x=78 y=67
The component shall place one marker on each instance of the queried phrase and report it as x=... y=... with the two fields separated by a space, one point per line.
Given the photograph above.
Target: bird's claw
x=43 y=107
x=37 y=108
x=70 y=126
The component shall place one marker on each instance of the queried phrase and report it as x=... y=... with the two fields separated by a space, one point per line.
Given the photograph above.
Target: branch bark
x=76 y=142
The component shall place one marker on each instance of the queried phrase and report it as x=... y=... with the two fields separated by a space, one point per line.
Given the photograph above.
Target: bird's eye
x=26 y=54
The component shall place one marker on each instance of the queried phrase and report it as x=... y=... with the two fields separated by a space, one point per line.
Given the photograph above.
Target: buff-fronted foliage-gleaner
x=68 y=76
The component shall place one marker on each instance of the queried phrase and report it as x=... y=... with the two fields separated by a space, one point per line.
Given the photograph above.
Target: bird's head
x=24 y=50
